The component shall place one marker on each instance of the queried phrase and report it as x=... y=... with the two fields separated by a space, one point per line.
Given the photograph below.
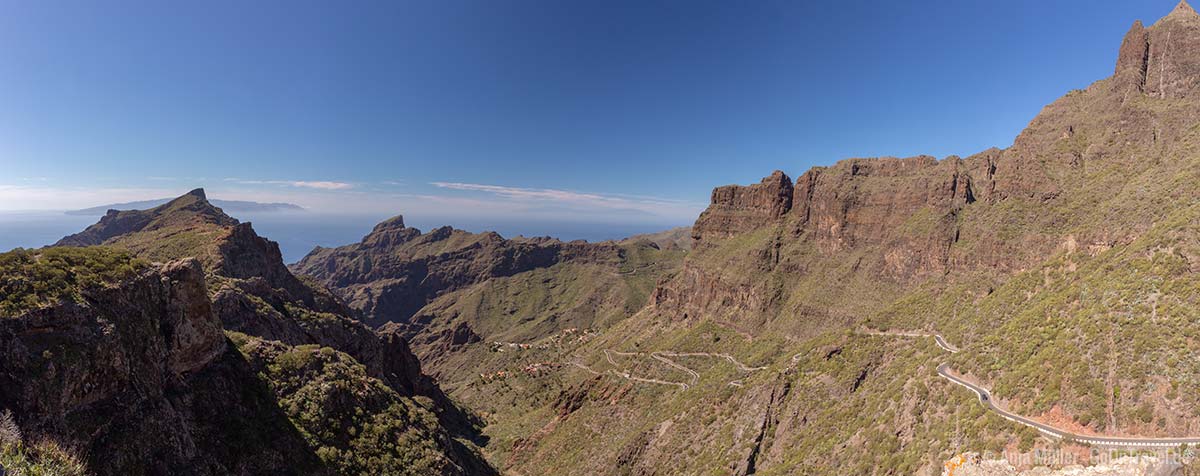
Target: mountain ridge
x=231 y=206
x=278 y=321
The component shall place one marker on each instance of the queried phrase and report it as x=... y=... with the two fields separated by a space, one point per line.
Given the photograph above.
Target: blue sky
x=598 y=110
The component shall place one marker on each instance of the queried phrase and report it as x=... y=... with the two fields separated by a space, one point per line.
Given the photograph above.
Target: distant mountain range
x=231 y=206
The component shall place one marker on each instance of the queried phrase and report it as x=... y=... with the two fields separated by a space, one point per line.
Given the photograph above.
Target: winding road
x=985 y=398
x=627 y=376
x=944 y=370
x=664 y=357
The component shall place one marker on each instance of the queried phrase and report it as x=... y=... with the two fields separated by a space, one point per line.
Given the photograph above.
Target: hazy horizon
x=298 y=232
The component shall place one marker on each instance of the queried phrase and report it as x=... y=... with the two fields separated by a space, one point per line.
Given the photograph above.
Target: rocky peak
x=1161 y=61
x=197 y=193
x=1183 y=11
x=196 y=202
x=390 y=232
x=396 y=222
x=189 y=209
x=1133 y=60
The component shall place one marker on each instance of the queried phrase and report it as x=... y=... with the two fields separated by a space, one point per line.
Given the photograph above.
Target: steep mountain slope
x=131 y=370
x=495 y=319
x=448 y=289
x=264 y=306
x=1063 y=267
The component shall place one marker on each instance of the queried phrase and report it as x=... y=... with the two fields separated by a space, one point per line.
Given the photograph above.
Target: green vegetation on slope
x=355 y=423
x=1076 y=330
x=30 y=279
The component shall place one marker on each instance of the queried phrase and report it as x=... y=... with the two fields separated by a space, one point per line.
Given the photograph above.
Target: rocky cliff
x=737 y=209
x=1159 y=61
x=139 y=378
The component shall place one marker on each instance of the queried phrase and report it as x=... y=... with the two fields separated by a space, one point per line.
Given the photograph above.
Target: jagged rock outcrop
x=1160 y=61
x=258 y=295
x=1133 y=60
x=140 y=378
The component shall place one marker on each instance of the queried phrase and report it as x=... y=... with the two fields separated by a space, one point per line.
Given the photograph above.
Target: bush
x=30 y=279
x=42 y=458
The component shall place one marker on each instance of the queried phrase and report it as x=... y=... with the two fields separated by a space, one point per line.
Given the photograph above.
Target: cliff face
x=737 y=209
x=1073 y=175
x=140 y=378
x=856 y=203
x=872 y=225
x=1164 y=55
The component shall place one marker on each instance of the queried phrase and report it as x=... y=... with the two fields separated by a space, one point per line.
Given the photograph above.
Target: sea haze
x=297 y=233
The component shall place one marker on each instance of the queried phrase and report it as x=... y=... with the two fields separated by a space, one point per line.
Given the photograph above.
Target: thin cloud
x=321 y=185
x=579 y=200
x=317 y=184
x=30 y=197
x=555 y=194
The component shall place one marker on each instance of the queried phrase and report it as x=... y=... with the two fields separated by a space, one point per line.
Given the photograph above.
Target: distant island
x=230 y=206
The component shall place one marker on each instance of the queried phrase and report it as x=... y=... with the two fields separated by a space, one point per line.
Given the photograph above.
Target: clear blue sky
x=530 y=107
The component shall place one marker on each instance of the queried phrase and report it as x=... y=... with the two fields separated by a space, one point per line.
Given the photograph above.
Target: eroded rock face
x=738 y=209
x=1160 y=61
x=866 y=201
x=1172 y=66
x=140 y=377
x=908 y=205
x=1133 y=59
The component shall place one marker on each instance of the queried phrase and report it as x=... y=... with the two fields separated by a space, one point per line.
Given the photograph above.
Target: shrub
x=42 y=458
x=30 y=279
